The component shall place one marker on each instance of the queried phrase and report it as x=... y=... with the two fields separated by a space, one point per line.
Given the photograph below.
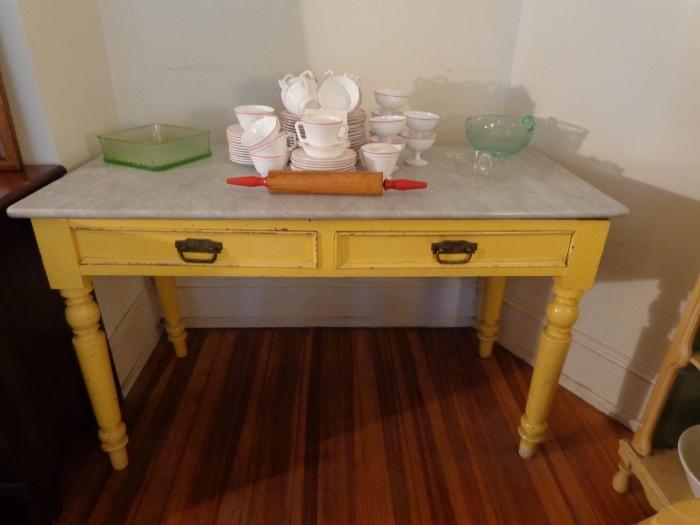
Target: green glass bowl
x=499 y=135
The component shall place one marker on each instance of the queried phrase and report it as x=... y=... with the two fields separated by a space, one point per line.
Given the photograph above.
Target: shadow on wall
x=657 y=241
x=193 y=76
x=455 y=101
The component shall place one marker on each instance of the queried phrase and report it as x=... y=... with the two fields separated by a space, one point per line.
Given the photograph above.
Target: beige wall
x=622 y=81
x=192 y=62
x=64 y=98
x=455 y=55
x=68 y=52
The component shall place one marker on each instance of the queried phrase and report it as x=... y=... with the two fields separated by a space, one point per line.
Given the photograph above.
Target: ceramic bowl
x=263 y=164
x=391 y=98
x=387 y=125
x=499 y=135
x=419 y=141
x=421 y=120
x=689 y=453
x=246 y=115
x=380 y=156
x=261 y=132
x=394 y=139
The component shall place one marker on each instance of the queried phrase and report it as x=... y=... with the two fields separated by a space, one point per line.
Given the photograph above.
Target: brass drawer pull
x=213 y=248
x=442 y=248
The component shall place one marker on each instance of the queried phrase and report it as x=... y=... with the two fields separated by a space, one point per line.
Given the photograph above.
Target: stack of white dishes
x=334 y=93
x=236 y=151
x=357 y=136
x=288 y=120
x=419 y=135
x=387 y=128
x=269 y=147
x=398 y=140
x=301 y=161
x=246 y=116
x=324 y=142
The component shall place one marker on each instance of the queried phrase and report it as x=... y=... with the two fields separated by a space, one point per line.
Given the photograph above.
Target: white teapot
x=299 y=92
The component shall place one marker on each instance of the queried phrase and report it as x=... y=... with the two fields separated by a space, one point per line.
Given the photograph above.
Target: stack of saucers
x=356 y=129
x=302 y=162
x=237 y=152
x=287 y=120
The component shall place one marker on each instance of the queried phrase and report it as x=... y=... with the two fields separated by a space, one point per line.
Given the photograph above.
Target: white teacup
x=246 y=115
x=299 y=92
x=321 y=130
x=260 y=132
x=264 y=163
x=281 y=144
x=380 y=156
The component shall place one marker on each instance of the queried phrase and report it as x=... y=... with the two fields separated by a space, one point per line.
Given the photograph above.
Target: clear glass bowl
x=499 y=135
x=155 y=147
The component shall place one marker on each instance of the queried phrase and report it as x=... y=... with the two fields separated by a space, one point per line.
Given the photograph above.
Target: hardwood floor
x=335 y=426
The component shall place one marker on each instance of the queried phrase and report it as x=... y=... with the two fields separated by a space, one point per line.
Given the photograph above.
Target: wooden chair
x=661 y=473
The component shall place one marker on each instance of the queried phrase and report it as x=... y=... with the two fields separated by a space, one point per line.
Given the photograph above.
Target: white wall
x=191 y=63
x=454 y=55
x=621 y=82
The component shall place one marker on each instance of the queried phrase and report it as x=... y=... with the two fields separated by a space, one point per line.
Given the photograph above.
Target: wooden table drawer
x=244 y=248
x=414 y=250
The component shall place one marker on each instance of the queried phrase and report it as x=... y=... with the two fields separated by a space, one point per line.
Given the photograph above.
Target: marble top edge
x=528 y=186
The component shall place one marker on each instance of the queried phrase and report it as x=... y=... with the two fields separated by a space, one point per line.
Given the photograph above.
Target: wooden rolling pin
x=327 y=183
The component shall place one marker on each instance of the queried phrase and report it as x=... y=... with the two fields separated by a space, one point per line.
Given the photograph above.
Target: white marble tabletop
x=527 y=186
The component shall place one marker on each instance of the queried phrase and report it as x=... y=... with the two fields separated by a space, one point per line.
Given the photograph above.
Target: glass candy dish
x=155 y=147
x=497 y=137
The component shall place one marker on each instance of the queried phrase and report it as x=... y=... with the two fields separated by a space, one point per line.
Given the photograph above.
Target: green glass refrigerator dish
x=155 y=147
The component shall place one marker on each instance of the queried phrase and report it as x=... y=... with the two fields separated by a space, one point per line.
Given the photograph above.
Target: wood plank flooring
x=346 y=426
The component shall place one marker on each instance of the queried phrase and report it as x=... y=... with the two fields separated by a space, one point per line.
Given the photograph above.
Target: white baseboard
x=135 y=336
x=258 y=302
x=598 y=374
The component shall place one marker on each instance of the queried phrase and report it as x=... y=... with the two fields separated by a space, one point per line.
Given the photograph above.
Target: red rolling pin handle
x=247 y=181
x=404 y=184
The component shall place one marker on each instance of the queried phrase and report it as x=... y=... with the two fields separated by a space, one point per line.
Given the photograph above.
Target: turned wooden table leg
x=167 y=295
x=491 y=305
x=90 y=343
x=553 y=346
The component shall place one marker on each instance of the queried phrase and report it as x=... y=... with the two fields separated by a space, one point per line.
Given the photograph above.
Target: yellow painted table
x=528 y=217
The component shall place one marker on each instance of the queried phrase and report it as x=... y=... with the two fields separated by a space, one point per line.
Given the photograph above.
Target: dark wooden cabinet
x=43 y=403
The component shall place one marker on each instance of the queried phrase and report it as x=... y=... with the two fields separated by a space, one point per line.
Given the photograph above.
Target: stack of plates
x=302 y=162
x=288 y=120
x=356 y=126
x=237 y=152
x=356 y=129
